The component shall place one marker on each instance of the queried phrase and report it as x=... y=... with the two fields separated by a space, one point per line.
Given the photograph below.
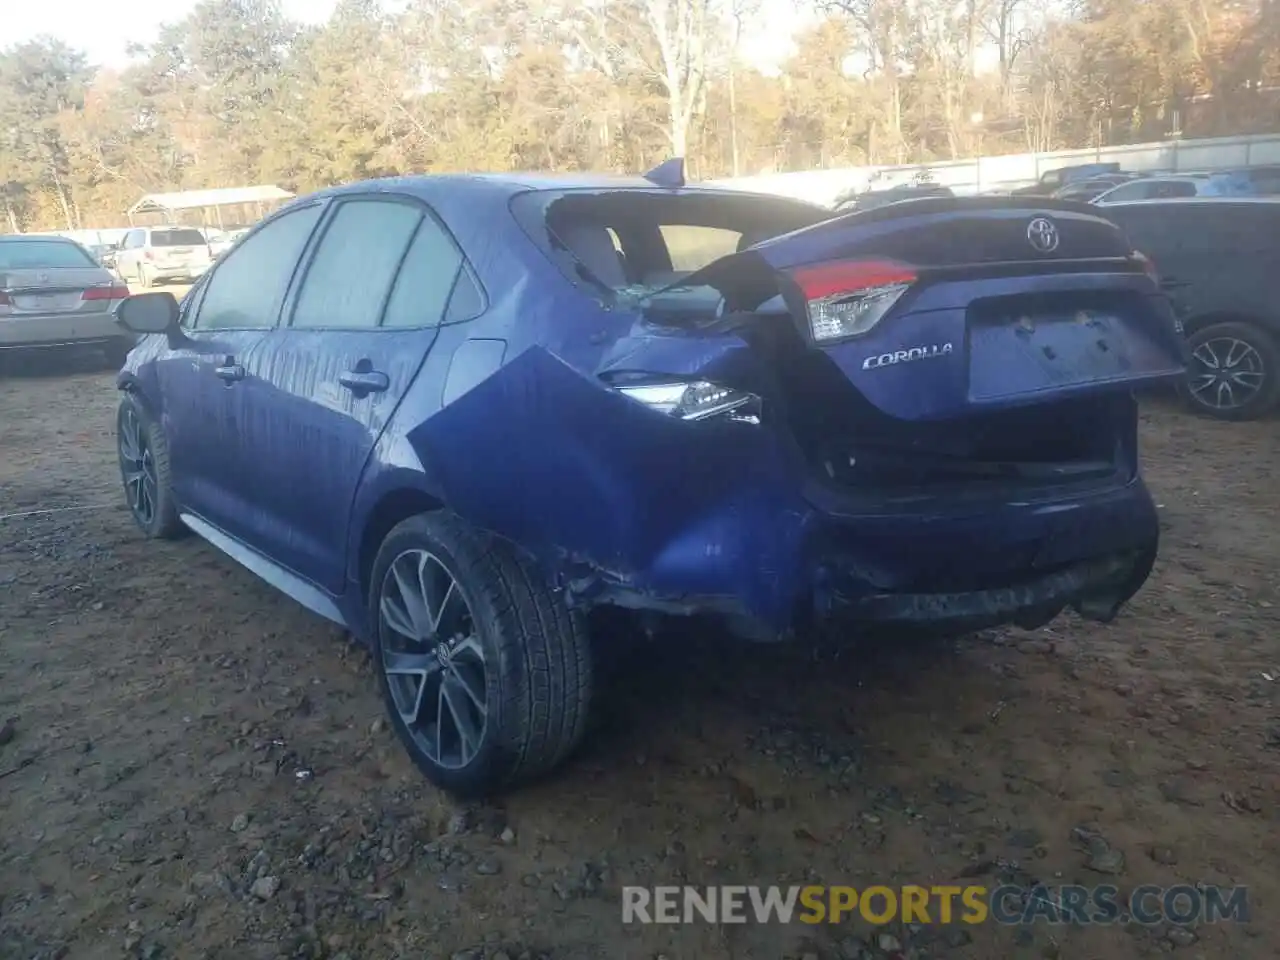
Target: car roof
x=27 y=237
x=505 y=185
x=1166 y=177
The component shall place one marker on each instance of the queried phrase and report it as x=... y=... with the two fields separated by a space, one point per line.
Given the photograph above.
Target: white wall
x=984 y=174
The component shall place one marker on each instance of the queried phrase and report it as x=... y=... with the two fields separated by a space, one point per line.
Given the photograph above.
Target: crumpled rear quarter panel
x=595 y=484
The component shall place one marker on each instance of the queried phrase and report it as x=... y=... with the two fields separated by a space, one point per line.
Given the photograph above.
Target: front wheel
x=485 y=673
x=144 y=471
x=1233 y=371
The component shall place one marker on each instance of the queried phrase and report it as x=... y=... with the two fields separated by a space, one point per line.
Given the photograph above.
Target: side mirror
x=149 y=313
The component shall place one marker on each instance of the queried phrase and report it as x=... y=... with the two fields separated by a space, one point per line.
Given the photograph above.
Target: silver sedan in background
x=54 y=296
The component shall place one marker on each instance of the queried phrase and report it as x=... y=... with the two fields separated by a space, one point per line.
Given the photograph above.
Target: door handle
x=364 y=381
x=229 y=371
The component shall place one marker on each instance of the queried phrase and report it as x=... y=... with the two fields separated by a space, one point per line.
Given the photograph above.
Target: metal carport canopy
x=196 y=199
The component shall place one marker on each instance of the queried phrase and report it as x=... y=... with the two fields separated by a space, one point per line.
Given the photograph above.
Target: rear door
x=357 y=329
x=204 y=379
x=1217 y=257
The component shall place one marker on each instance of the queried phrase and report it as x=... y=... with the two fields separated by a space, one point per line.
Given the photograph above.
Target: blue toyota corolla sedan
x=454 y=414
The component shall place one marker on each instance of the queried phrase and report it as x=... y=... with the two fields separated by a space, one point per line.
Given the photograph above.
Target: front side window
x=247 y=289
x=1130 y=191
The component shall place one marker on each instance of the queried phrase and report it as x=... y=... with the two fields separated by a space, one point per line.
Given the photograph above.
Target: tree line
x=235 y=93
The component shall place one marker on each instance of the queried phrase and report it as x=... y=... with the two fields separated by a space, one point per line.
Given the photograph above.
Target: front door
x=355 y=334
x=207 y=388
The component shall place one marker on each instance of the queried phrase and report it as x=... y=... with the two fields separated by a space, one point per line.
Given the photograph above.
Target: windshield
x=43 y=254
x=629 y=242
x=177 y=238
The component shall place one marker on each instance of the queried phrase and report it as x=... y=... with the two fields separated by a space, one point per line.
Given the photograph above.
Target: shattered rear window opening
x=631 y=242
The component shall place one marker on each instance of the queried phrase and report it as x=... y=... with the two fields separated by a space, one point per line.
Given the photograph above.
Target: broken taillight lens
x=695 y=400
x=848 y=298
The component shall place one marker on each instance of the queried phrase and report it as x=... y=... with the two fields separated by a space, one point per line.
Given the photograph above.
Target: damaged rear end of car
x=921 y=416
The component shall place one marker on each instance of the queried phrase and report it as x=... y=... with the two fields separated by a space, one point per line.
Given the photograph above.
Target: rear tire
x=144 y=471
x=487 y=681
x=1234 y=372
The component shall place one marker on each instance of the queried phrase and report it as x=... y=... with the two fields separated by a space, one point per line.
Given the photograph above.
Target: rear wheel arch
x=1195 y=324
x=129 y=384
x=392 y=508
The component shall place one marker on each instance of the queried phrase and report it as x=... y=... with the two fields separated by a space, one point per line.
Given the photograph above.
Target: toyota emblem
x=1042 y=235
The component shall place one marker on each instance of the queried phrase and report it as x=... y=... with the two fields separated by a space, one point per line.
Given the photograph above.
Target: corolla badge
x=1042 y=235
x=908 y=356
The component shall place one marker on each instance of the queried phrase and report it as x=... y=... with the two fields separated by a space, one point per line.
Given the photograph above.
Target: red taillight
x=849 y=297
x=148 y=255
x=117 y=291
x=822 y=280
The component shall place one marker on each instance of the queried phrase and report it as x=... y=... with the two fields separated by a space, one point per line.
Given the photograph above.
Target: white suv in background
x=151 y=255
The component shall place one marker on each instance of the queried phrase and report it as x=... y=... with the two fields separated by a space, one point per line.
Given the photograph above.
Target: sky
x=104 y=28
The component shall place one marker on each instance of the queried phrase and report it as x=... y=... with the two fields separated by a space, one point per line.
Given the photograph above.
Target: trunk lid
x=938 y=308
x=56 y=290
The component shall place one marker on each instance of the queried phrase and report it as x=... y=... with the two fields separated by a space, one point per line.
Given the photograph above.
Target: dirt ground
x=196 y=767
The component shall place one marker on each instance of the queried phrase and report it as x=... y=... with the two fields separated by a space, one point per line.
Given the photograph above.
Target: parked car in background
x=1052 y=180
x=871 y=199
x=105 y=254
x=151 y=255
x=1160 y=188
x=1259 y=181
x=229 y=239
x=1085 y=190
x=1218 y=260
x=55 y=297
x=455 y=414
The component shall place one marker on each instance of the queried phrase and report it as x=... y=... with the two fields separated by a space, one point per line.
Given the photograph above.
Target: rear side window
x=467 y=301
x=1173 y=188
x=247 y=288
x=1129 y=191
x=431 y=271
x=42 y=255
x=177 y=238
x=351 y=275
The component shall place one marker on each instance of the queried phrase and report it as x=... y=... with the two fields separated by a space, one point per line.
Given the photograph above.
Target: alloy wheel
x=433 y=659
x=137 y=467
x=1226 y=374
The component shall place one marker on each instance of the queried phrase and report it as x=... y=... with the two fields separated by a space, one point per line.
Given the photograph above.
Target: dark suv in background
x=1219 y=261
